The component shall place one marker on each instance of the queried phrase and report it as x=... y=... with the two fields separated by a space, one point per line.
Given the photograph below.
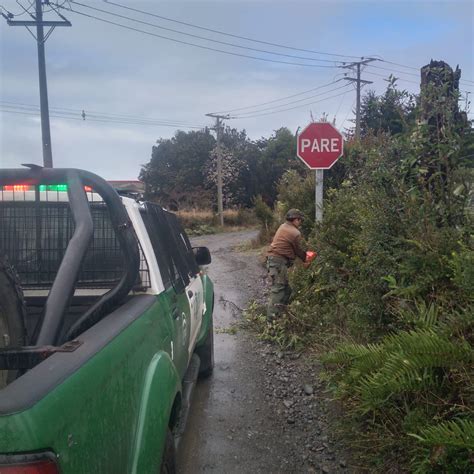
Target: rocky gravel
x=301 y=409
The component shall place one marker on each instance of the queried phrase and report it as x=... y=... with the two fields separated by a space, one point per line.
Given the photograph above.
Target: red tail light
x=18 y=187
x=46 y=466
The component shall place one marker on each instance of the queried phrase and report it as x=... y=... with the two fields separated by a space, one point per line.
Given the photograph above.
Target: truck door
x=169 y=263
x=194 y=290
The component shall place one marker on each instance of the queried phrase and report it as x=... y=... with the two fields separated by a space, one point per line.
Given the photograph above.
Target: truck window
x=183 y=244
x=164 y=245
x=35 y=232
x=165 y=264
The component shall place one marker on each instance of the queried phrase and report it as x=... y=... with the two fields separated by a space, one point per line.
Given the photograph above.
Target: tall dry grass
x=205 y=221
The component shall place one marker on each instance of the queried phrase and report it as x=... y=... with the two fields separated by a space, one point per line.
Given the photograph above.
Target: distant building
x=132 y=186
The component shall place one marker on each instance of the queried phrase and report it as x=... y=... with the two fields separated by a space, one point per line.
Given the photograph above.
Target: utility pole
x=359 y=82
x=41 y=38
x=218 y=129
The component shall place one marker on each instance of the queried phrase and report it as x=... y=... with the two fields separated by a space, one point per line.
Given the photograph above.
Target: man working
x=285 y=247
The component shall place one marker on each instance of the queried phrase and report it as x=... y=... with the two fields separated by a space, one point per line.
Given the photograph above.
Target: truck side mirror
x=202 y=255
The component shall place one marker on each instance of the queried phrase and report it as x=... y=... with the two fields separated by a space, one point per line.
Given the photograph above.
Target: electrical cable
x=398 y=64
x=15 y=15
x=197 y=45
x=291 y=108
x=153 y=25
x=52 y=9
x=340 y=103
x=350 y=110
x=92 y=113
x=393 y=70
x=126 y=122
x=229 y=34
x=295 y=101
x=386 y=77
x=277 y=100
x=407 y=73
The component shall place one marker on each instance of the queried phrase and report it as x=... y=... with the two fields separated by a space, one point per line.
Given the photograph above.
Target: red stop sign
x=320 y=145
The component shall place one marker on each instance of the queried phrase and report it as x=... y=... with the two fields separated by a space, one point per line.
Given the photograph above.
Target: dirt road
x=261 y=411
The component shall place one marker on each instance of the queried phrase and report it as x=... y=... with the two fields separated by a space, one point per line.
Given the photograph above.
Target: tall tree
x=392 y=112
x=175 y=173
x=278 y=156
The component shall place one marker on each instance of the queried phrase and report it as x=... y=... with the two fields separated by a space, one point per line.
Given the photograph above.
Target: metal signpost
x=319 y=146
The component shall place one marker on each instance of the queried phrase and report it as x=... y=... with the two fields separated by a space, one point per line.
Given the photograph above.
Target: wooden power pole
x=38 y=22
x=359 y=82
x=218 y=128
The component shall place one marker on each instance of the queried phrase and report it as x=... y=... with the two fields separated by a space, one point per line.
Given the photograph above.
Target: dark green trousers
x=280 y=290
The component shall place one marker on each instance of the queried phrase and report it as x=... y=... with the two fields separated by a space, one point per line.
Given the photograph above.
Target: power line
x=110 y=121
x=24 y=12
x=294 y=102
x=398 y=64
x=278 y=100
x=208 y=48
x=359 y=83
x=92 y=113
x=39 y=23
x=192 y=25
x=285 y=110
x=340 y=103
x=393 y=70
x=406 y=73
x=153 y=25
x=403 y=79
x=350 y=110
x=386 y=77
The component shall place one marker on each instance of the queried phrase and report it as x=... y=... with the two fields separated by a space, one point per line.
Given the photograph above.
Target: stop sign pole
x=319 y=146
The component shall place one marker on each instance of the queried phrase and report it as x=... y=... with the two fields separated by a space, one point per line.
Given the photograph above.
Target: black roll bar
x=65 y=281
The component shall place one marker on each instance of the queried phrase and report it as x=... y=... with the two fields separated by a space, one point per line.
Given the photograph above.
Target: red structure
x=320 y=145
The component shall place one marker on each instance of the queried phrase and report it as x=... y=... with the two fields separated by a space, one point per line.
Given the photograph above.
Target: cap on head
x=294 y=214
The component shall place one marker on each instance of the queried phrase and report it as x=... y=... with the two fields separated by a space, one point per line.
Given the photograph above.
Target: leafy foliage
x=182 y=172
x=391 y=113
x=392 y=288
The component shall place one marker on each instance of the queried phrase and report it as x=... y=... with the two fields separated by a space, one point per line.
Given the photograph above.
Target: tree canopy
x=182 y=169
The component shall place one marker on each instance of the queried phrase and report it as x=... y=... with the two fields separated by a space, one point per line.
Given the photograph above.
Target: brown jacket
x=287 y=243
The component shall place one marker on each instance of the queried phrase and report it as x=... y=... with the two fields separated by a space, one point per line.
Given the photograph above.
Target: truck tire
x=168 y=463
x=206 y=354
x=12 y=314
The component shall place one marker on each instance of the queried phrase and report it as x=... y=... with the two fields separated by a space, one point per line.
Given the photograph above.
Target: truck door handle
x=175 y=313
x=190 y=294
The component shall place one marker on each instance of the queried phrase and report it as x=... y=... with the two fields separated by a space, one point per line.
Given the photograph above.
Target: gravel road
x=263 y=410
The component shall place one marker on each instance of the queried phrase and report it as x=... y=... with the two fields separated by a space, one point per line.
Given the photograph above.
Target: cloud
x=97 y=67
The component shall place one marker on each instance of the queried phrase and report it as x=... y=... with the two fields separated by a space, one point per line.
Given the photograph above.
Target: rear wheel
x=12 y=314
x=206 y=354
x=168 y=462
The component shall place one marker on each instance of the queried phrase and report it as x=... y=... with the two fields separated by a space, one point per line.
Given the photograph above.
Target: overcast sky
x=116 y=74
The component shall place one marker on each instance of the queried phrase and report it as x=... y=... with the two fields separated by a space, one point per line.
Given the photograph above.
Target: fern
x=457 y=433
x=365 y=357
x=402 y=362
x=422 y=316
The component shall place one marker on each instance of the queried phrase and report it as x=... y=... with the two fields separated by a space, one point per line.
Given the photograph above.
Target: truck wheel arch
x=160 y=397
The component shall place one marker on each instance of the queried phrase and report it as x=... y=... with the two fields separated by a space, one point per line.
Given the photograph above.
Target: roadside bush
x=297 y=191
x=267 y=220
x=392 y=290
x=390 y=298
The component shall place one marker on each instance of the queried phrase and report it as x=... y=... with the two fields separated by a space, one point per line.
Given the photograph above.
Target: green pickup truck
x=105 y=325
